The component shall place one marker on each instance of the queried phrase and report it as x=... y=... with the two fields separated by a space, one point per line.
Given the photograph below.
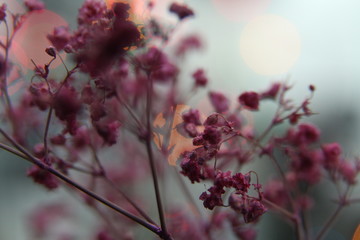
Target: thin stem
x=97 y=210
x=13 y=151
x=298 y=225
x=111 y=183
x=19 y=154
x=280 y=209
x=128 y=109
x=132 y=203
x=4 y=83
x=341 y=204
x=151 y=158
x=48 y=119
x=68 y=75
x=329 y=222
x=62 y=61
x=298 y=229
x=166 y=141
x=69 y=181
x=109 y=222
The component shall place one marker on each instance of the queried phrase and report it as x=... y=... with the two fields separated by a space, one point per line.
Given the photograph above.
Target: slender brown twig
x=40 y=164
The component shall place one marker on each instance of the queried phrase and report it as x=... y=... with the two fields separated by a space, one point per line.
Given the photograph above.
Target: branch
x=22 y=152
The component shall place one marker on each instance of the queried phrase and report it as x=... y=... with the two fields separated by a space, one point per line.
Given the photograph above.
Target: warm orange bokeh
x=31 y=39
x=177 y=142
x=270 y=45
x=357 y=233
x=138 y=8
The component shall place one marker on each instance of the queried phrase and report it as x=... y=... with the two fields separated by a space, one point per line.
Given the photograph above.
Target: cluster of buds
x=99 y=124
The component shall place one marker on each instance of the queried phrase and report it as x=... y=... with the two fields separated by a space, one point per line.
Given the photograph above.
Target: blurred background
x=247 y=45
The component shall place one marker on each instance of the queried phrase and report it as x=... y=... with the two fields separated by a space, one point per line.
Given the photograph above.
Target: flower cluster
x=106 y=128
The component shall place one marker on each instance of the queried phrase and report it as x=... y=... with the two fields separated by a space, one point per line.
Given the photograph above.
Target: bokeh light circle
x=270 y=45
x=32 y=37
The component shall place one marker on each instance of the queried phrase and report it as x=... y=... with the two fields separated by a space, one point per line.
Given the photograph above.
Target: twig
x=69 y=181
x=341 y=204
x=149 y=151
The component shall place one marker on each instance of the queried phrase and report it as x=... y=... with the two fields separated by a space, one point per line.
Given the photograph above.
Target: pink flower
x=182 y=11
x=241 y=182
x=60 y=37
x=198 y=140
x=200 y=78
x=246 y=233
x=66 y=103
x=214 y=198
x=103 y=235
x=165 y=72
x=40 y=95
x=253 y=210
x=192 y=116
x=43 y=177
x=275 y=192
x=97 y=110
x=107 y=48
x=58 y=139
x=191 y=169
x=39 y=150
x=66 y=106
x=307 y=165
x=188 y=43
x=304 y=202
x=108 y=131
x=3 y=12
x=212 y=135
x=219 y=102
x=81 y=138
x=332 y=152
x=348 y=172
x=190 y=128
x=91 y=10
x=152 y=58
x=224 y=179
x=250 y=100
x=250 y=208
x=272 y=92
x=121 y=10
x=44 y=217
x=182 y=225
x=307 y=133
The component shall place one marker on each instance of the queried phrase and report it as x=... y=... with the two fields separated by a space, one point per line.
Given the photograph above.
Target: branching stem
x=25 y=154
x=148 y=141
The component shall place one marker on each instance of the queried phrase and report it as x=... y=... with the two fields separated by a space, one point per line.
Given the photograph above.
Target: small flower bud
x=312 y=88
x=182 y=11
x=250 y=100
x=51 y=51
x=3 y=12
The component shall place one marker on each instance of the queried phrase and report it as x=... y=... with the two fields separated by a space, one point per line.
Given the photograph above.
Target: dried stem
x=280 y=209
x=48 y=119
x=148 y=142
x=4 y=83
x=341 y=204
x=111 y=183
x=69 y=181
